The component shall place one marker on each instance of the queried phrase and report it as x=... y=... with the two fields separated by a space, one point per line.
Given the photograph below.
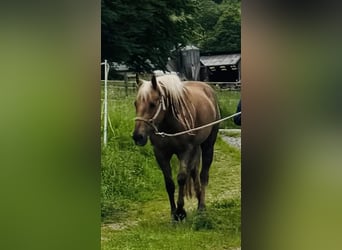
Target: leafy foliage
x=219 y=26
x=142 y=33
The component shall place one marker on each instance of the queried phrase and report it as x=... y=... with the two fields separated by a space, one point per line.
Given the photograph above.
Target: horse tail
x=188 y=187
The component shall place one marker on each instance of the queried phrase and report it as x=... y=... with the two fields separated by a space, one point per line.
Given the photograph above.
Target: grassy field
x=134 y=204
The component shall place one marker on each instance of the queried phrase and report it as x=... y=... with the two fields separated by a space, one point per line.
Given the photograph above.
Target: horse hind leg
x=196 y=179
x=189 y=163
x=207 y=158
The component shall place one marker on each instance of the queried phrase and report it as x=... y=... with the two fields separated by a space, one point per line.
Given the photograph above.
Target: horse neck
x=170 y=123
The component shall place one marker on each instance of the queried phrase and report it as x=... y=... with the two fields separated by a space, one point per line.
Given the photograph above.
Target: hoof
x=179 y=215
x=201 y=208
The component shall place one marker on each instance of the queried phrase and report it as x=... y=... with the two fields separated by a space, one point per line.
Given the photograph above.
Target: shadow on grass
x=219 y=215
x=223 y=215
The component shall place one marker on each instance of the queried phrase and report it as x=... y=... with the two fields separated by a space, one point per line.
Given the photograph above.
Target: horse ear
x=137 y=80
x=154 y=81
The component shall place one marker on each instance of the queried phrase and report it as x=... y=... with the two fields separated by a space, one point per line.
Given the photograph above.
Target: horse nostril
x=140 y=139
x=137 y=137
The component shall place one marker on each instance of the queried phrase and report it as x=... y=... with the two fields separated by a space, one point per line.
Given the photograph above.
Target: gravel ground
x=233 y=141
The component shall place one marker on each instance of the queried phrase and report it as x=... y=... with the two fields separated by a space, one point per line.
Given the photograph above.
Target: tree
x=219 y=26
x=142 y=33
x=206 y=18
x=227 y=35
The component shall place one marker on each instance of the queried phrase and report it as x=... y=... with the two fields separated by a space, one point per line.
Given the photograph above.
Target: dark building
x=221 y=68
x=190 y=65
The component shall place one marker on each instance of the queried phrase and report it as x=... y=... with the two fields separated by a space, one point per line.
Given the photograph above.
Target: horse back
x=203 y=97
x=203 y=105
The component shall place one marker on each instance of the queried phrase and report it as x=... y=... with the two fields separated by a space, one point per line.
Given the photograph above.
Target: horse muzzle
x=139 y=139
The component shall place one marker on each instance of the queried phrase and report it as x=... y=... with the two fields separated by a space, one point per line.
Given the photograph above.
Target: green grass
x=200 y=231
x=228 y=101
x=134 y=204
x=231 y=133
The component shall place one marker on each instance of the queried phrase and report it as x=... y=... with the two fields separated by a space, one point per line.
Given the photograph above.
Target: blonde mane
x=176 y=96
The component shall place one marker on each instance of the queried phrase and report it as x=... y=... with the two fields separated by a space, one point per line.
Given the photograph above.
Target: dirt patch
x=232 y=137
x=120 y=225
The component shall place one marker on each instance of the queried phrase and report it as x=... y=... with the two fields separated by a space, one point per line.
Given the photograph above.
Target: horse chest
x=170 y=143
x=174 y=144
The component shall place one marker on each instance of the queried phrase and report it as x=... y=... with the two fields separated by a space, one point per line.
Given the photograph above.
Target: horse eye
x=152 y=105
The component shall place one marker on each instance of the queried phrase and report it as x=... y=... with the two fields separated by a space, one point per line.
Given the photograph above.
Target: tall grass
x=228 y=101
x=128 y=173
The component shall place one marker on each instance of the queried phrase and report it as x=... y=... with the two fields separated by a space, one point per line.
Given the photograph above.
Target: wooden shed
x=186 y=62
x=221 y=68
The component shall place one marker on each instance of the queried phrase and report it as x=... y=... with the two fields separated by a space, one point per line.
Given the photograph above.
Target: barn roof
x=217 y=60
x=190 y=47
x=119 y=67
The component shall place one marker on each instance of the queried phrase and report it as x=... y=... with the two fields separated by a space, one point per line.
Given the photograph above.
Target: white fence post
x=105 y=115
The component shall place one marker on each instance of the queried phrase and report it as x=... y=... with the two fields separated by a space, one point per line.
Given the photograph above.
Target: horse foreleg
x=181 y=179
x=170 y=188
x=163 y=160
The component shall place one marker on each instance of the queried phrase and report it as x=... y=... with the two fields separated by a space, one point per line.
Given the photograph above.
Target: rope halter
x=151 y=121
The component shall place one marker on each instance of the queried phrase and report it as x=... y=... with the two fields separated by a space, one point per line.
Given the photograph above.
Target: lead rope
x=163 y=134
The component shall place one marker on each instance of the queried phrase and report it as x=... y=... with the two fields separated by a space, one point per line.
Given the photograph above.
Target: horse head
x=150 y=110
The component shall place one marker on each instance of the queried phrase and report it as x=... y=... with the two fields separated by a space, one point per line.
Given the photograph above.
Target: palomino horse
x=169 y=105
